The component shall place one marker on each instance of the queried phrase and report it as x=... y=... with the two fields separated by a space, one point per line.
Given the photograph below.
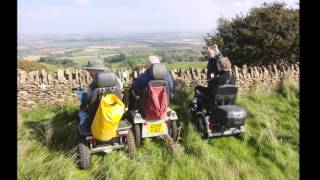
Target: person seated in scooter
x=223 y=76
x=142 y=81
x=93 y=68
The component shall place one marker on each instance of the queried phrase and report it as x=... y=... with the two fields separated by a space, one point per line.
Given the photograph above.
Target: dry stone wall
x=41 y=87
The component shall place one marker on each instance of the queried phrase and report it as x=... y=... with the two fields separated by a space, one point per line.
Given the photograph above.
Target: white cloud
x=83 y=2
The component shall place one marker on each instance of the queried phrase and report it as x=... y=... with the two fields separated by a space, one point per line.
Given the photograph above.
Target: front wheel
x=83 y=153
x=131 y=144
x=201 y=126
x=137 y=134
x=174 y=130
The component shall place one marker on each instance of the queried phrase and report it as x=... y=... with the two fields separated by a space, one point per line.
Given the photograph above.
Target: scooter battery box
x=230 y=115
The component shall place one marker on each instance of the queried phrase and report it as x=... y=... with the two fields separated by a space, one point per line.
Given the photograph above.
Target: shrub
x=30 y=65
x=269 y=34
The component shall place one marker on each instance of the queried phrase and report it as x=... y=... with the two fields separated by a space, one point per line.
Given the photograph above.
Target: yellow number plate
x=155 y=128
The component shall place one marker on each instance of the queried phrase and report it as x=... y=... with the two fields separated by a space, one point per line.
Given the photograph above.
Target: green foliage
x=49 y=60
x=171 y=56
x=268 y=150
x=30 y=65
x=116 y=58
x=268 y=34
x=52 y=59
x=67 y=62
x=131 y=63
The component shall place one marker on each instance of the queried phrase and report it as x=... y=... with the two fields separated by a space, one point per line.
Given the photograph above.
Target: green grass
x=268 y=150
x=186 y=65
x=50 y=67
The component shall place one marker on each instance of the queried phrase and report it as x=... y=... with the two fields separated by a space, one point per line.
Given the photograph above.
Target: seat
x=158 y=71
x=104 y=83
x=222 y=95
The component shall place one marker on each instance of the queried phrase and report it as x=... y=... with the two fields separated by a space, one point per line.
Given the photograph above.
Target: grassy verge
x=269 y=149
x=186 y=65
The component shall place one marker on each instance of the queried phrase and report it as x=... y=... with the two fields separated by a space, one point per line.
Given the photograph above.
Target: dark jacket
x=212 y=66
x=223 y=78
x=142 y=81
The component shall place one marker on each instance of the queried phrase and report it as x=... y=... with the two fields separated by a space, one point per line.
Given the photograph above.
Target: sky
x=128 y=16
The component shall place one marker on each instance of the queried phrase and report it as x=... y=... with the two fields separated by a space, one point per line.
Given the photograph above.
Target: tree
x=268 y=34
x=68 y=62
x=122 y=56
x=115 y=58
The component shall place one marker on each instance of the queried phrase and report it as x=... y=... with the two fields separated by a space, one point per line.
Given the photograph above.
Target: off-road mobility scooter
x=151 y=115
x=220 y=116
x=109 y=130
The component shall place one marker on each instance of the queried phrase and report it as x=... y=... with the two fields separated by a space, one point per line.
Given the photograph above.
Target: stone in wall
x=60 y=75
x=36 y=77
x=22 y=77
x=43 y=77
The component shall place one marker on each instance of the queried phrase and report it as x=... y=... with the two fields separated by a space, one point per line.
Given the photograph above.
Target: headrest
x=105 y=79
x=159 y=71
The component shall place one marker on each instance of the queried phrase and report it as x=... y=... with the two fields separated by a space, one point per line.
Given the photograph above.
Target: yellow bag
x=107 y=117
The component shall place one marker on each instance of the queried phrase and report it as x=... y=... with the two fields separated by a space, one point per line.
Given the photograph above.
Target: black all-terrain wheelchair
x=105 y=83
x=215 y=114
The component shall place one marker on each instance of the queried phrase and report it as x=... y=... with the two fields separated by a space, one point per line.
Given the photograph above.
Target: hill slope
x=269 y=149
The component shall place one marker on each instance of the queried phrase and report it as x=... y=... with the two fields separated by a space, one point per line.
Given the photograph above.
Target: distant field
x=119 y=66
x=181 y=51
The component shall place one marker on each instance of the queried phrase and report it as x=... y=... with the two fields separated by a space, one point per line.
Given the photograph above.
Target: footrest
x=231 y=131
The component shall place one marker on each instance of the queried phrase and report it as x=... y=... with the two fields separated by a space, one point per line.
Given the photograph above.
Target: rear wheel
x=174 y=130
x=137 y=134
x=201 y=126
x=131 y=144
x=83 y=153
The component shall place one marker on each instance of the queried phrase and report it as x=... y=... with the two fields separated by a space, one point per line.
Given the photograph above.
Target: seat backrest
x=156 y=100
x=158 y=72
x=159 y=83
x=224 y=95
x=104 y=82
x=105 y=79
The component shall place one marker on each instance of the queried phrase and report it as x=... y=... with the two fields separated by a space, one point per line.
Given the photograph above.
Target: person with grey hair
x=143 y=79
x=93 y=67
